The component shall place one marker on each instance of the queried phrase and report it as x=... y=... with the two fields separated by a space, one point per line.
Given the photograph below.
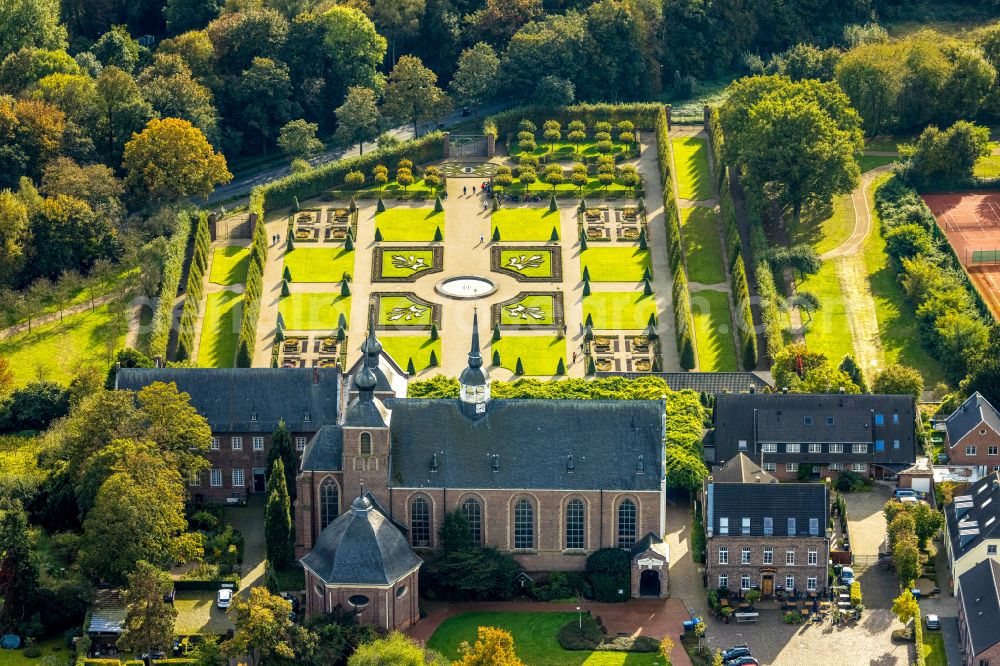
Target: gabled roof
x=325 y=451
x=779 y=502
x=980 y=590
x=974 y=516
x=703 y=382
x=559 y=444
x=741 y=469
x=107 y=614
x=361 y=547
x=975 y=410
x=229 y=397
x=649 y=542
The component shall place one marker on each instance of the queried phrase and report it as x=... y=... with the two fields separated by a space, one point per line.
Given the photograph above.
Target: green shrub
x=574 y=637
x=793 y=617
x=173 y=266
x=609 y=570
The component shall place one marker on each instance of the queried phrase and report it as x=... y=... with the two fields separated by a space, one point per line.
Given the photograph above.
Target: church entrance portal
x=649 y=583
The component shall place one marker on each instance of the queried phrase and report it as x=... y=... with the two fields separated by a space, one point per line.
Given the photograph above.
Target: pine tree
x=519 y=367
x=287 y=274
x=589 y=321
x=278 y=517
x=438 y=206
x=586 y=288
x=349 y=243
x=434 y=360
x=410 y=368
x=345 y=289
x=642 y=240
x=434 y=332
x=379 y=206
x=378 y=235
x=554 y=236
x=561 y=367
x=850 y=366
x=282 y=449
x=647 y=288
x=284 y=288
x=553 y=206
x=438 y=236
x=591 y=366
x=496 y=333
x=496 y=357
x=586 y=273
x=496 y=234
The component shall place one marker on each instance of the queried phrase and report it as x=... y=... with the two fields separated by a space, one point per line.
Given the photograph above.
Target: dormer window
x=570 y=464
x=306 y=417
x=807 y=420
x=434 y=463
x=496 y=462
x=253 y=416
x=640 y=467
x=829 y=420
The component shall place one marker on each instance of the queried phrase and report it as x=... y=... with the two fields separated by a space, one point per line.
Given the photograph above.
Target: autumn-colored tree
x=149 y=620
x=494 y=647
x=171 y=160
x=905 y=606
x=262 y=626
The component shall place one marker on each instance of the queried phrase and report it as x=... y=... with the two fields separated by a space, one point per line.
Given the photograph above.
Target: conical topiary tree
x=519 y=367
x=656 y=364
x=279 y=334
x=289 y=244
x=647 y=288
x=554 y=236
x=496 y=203
x=642 y=240
x=496 y=333
x=496 y=235
x=410 y=369
x=349 y=243
x=646 y=273
x=583 y=205
x=586 y=287
x=434 y=332
x=586 y=273
x=287 y=274
x=652 y=319
x=438 y=236
x=589 y=321
x=591 y=366
x=378 y=235
x=438 y=206
x=379 y=205
x=641 y=205
x=434 y=360
x=278 y=517
x=561 y=367
x=588 y=332
x=583 y=243
x=353 y=206
x=342 y=321
x=295 y=205
x=496 y=357
x=284 y=288
x=345 y=288
x=553 y=206
x=341 y=334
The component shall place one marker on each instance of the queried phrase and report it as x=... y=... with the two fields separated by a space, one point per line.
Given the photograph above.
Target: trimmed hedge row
x=767 y=289
x=683 y=321
x=645 y=115
x=173 y=267
x=246 y=343
x=315 y=182
x=200 y=247
x=918 y=638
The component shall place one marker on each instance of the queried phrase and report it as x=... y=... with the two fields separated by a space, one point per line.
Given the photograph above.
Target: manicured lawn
x=392 y=186
x=52 y=646
x=54 y=351
x=320 y=264
x=713 y=331
x=565 y=149
x=618 y=310
x=525 y=224
x=198 y=616
x=540 y=186
x=409 y=224
x=529 y=264
x=702 y=245
x=401 y=311
x=869 y=162
x=19 y=457
x=314 y=312
x=534 y=640
x=824 y=229
x=934 y=648
x=539 y=354
x=418 y=347
x=615 y=264
x=405 y=264
x=220 y=330
x=691 y=161
x=230 y=264
x=888 y=143
x=830 y=329
x=529 y=310
x=897 y=321
x=987 y=167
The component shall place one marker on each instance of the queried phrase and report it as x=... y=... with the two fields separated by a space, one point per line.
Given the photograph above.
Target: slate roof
x=980 y=588
x=785 y=418
x=780 y=502
x=974 y=516
x=536 y=441
x=107 y=614
x=646 y=543
x=975 y=410
x=325 y=451
x=361 y=547
x=741 y=469
x=703 y=382
x=227 y=397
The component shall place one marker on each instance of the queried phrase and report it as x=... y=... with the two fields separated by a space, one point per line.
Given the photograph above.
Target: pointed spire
x=475 y=358
x=371 y=346
x=366 y=380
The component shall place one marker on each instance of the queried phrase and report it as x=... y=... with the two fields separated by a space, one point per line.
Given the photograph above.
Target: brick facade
x=979 y=447
x=226 y=459
x=393 y=606
x=778 y=569
x=990 y=656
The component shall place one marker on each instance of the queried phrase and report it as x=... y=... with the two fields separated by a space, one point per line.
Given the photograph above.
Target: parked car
x=847 y=575
x=905 y=492
x=743 y=661
x=933 y=621
x=743 y=654
x=909 y=499
x=224 y=598
x=736 y=652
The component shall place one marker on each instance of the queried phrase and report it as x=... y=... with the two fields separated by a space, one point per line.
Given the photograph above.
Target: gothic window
x=474 y=515
x=420 y=523
x=574 y=524
x=329 y=503
x=524 y=524
x=366 y=444
x=626 y=524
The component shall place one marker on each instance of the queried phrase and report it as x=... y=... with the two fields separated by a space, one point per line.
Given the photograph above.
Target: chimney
x=316 y=375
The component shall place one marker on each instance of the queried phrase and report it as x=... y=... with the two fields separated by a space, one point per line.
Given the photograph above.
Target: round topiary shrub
x=34 y=652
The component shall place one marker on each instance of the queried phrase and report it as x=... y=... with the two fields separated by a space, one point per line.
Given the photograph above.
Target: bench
x=742 y=618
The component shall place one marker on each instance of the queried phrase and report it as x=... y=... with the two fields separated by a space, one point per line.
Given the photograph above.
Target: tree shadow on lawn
x=810 y=227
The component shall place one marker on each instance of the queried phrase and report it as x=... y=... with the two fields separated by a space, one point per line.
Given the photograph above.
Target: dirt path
x=51 y=317
x=862 y=216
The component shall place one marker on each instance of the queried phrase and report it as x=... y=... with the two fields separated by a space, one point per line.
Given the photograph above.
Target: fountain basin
x=465 y=287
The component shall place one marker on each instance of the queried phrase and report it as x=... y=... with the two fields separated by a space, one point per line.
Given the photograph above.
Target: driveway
x=865 y=520
x=249 y=520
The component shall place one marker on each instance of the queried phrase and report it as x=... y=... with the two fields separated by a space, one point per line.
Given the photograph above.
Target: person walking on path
x=482 y=238
x=473 y=190
x=465 y=190
x=485 y=206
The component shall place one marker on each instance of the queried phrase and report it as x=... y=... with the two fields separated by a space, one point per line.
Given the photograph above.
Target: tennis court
x=971 y=222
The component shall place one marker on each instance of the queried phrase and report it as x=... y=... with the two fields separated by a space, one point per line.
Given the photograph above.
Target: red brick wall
x=779 y=545
x=226 y=460
x=395 y=607
x=308 y=513
x=956 y=450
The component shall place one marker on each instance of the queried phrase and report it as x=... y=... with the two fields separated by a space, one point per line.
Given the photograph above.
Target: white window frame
x=743 y=445
x=724 y=555
x=970 y=450
x=815 y=447
x=791 y=467
x=723 y=525
x=745 y=555
x=745 y=526
x=836 y=467
x=768 y=555
x=300 y=443
x=811 y=583
x=768 y=525
x=214 y=446
x=835 y=448
x=216 y=478
x=258 y=443
x=237 y=443
x=195 y=480
x=859 y=448
x=239 y=478
x=859 y=467
x=769 y=447
x=812 y=558
x=770 y=467
x=992 y=450
x=724 y=581
x=745 y=582
x=793 y=448
x=789 y=582
x=790 y=557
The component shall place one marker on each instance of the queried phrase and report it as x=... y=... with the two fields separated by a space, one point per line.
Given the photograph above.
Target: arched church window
x=366 y=444
x=626 y=524
x=420 y=523
x=575 y=517
x=474 y=515
x=329 y=503
x=524 y=524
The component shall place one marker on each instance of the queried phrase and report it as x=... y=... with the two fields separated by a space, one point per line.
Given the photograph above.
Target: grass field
x=702 y=245
x=534 y=640
x=824 y=229
x=198 y=616
x=314 y=312
x=615 y=264
x=403 y=223
x=829 y=329
x=524 y=224
x=539 y=354
x=593 y=185
x=934 y=648
x=18 y=457
x=229 y=265
x=54 y=351
x=220 y=330
x=419 y=260
x=691 y=161
x=987 y=167
x=418 y=347
x=713 y=328
x=565 y=150
x=401 y=311
x=869 y=162
x=55 y=647
x=527 y=261
x=897 y=321
x=618 y=310
x=392 y=186
x=516 y=315
x=320 y=264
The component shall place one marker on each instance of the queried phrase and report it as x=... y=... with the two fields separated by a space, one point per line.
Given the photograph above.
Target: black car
x=735 y=653
x=743 y=661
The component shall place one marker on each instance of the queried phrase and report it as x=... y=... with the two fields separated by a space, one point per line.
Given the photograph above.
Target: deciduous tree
x=411 y=93
x=121 y=111
x=395 y=650
x=184 y=15
x=475 y=80
x=18 y=568
x=149 y=620
x=262 y=627
x=493 y=647
x=899 y=379
x=905 y=606
x=297 y=139
x=353 y=49
x=358 y=117
x=30 y=23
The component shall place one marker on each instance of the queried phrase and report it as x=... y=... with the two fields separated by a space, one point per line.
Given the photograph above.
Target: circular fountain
x=465 y=287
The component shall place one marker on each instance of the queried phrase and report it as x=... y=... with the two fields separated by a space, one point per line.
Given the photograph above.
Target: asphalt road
x=240 y=187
